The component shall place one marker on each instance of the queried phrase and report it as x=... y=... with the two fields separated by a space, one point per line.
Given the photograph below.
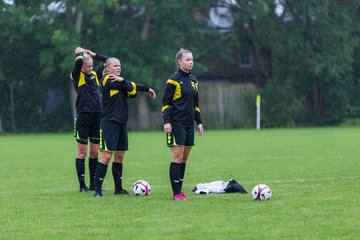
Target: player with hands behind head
x=88 y=113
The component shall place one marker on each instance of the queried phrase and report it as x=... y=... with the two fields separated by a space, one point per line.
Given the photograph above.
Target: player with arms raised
x=88 y=113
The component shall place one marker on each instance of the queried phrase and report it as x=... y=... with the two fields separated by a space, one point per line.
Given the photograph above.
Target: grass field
x=314 y=175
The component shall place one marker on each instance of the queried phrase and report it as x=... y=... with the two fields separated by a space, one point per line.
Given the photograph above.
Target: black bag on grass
x=234 y=187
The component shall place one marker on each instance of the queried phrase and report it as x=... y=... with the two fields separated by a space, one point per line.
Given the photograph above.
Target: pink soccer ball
x=141 y=187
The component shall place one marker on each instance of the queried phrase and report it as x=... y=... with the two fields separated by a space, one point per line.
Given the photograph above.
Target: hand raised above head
x=79 y=49
x=90 y=53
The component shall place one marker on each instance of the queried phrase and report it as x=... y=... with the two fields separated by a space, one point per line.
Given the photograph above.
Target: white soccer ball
x=261 y=192
x=141 y=187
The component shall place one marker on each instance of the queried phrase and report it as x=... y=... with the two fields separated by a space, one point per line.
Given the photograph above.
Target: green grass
x=313 y=173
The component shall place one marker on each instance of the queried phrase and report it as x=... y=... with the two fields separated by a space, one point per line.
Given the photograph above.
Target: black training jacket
x=180 y=103
x=86 y=86
x=114 y=98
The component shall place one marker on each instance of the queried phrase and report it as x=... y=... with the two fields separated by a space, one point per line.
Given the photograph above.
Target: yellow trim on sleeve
x=71 y=77
x=164 y=107
x=133 y=92
x=177 y=93
x=79 y=57
x=197 y=109
x=197 y=86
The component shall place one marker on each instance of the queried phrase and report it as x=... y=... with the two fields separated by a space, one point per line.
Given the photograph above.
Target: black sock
x=174 y=173
x=99 y=176
x=80 y=170
x=92 y=171
x=117 y=175
x=182 y=174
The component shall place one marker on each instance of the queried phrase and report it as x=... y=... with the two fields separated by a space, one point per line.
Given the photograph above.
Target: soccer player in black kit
x=180 y=108
x=113 y=131
x=88 y=113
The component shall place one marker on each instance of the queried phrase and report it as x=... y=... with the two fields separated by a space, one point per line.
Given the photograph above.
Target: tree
x=145 y=35
x=17 y=68
x=306 y=53
x=310 y=48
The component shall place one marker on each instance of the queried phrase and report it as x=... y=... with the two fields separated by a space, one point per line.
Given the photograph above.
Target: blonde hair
x=107 y=64
x=87 y=57
x=179 y=55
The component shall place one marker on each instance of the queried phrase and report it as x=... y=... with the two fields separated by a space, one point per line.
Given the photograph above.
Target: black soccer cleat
x=121 y=191
x=92 y=188
x=84 y=189
x=98 y=194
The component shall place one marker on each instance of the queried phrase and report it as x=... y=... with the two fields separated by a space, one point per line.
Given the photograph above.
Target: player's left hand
x=200 y=129
x=91 y=53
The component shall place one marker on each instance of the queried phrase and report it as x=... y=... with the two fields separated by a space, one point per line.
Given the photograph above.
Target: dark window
x=245 y=59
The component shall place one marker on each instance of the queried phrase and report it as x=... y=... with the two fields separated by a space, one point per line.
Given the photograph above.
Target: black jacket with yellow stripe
x=86 y=86
x=114 y=98
x=180 y=103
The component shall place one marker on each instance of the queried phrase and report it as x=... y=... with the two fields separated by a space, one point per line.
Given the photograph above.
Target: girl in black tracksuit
x=180 y=108
x=88 y=113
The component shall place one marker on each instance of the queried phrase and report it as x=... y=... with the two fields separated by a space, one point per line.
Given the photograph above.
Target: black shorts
x=113 y=137
x=180 y=136
x=87 y=126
